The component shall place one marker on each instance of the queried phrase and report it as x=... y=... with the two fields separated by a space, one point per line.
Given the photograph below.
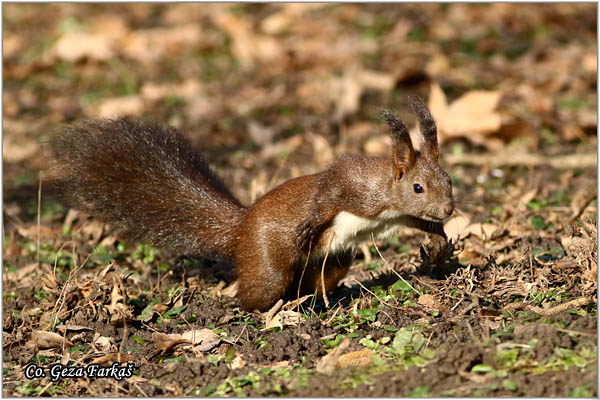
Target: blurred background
x=273 y=91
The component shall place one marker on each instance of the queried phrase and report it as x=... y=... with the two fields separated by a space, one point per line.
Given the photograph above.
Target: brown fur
x=151 y=185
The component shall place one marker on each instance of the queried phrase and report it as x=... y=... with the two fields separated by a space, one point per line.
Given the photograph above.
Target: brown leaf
x=109 y=359
x=71 y=327
x=460 y=226
x=328 y=363
x=427 y=300
x=148 y=45
x=471 y=116
x=46 y=340
x=249 y=46
x=202 y=339
x=165 y=341
x=284 y=318
x=119 y=107
x=103 y=344
x=238 y=362
x=20 y=274
x=360 y=358
x=75 y=46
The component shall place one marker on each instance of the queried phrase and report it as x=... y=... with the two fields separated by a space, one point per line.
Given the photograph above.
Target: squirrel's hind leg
x=262 y=281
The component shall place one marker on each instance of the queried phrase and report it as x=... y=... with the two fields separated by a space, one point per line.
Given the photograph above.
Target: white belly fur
x=348 y=229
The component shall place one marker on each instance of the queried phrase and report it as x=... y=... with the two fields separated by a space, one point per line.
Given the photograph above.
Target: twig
x=377 y=297
x=559 y=308
x=302 y=275
x=568 y=161
x=39 y=213
x=325 y=299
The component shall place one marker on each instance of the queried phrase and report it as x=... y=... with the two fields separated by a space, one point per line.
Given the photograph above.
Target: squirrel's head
x=418 y=185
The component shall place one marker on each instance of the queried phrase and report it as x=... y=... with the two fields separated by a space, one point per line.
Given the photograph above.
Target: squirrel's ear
x=403 y=154
x=429 y=149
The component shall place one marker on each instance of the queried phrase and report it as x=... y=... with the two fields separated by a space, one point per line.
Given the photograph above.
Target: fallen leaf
x=344 y=92
x=148 y=45
x=471 y=116
x=238 y=362
x=249 y=46
x=18 y=148
x=328 y=363
x=109 y=359
x=360 y=358
x=461 y=226
x=202 y=339
x=20 y=274
x=75 y=46
x=71 y=327
x=284 y=318
x=164 y=341
x=46 y=340
x=378 y=145
x=427 y=300
x=103 y=344
x=116 y=107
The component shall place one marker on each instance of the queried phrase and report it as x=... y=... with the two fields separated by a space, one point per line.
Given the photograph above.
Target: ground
x=274 y=91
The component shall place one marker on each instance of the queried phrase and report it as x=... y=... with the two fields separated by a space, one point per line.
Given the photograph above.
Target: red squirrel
x=150 y=184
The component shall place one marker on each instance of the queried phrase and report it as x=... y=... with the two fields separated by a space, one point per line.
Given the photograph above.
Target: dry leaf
x=427 y=300
x=75 y=46
x=165 y=341
x=586 y=192
x=71 y=327
x=283 y=20
x=103 y=344
x=109 y=359
x=344 y=93
x=378 y=145
x=360 y=358
x=20 y=274
x=328 y=363
x=46 y=340
x=18 y=148
x=149 y=45
x=202 y=339
x=116 y=107
x=322 y=150
x=284 y=318
x=460 y=226
x=472 y=116
x=248 y=46
x=231 y=290
x=238 y=362
x=185 y=90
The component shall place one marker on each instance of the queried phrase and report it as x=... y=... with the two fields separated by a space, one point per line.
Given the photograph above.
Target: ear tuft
x=427 y=127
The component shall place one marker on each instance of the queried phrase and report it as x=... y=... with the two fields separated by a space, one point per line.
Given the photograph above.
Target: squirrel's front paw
x=434 y=252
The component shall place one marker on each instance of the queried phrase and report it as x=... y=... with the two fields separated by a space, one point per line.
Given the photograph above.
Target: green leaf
x=173 y=312
x=509 y=385
x=401 y=340
x=482 y=368
x=419 y=391
x=147 y=313
x=538 y=223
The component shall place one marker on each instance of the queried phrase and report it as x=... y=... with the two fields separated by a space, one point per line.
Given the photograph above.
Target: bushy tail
x=148 y=183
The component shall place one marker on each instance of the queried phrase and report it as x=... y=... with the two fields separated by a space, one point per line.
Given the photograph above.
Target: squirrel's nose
x=449 y=209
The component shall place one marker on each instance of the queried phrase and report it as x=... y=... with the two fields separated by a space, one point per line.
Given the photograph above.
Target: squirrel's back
x=149 y=183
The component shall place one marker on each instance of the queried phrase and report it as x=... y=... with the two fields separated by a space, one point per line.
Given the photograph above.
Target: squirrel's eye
x=418 y=188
